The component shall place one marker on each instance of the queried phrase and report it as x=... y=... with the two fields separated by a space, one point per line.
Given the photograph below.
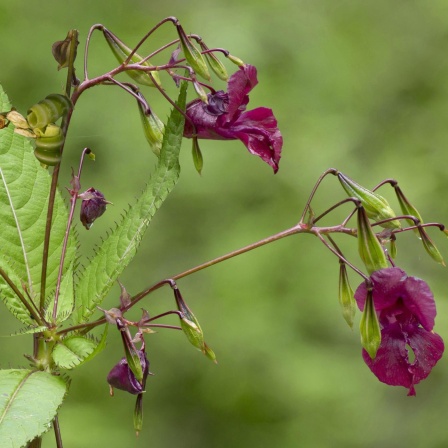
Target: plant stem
x=57 y=432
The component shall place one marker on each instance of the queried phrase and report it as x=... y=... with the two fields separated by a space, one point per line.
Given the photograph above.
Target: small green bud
x=346 y=297
x=154 y=129
x=235 y=60
x=369 y=328
x=430 y=247
x=215 y=64
x=406 y=207
x=197 y=156
x=370 y=249
x=131 y=353
x=193 y=55
x=377 y=208
x=200 y=92
x=191 y=328
x=138 y=414
x=393 y=248
x=122 y=52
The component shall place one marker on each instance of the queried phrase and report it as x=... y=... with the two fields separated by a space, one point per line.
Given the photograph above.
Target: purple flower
x=92 y=207
x=121 y=376
x=406 y=311
x=224 y=118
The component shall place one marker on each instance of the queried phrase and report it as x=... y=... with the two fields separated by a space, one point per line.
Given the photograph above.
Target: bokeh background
x=360 y=86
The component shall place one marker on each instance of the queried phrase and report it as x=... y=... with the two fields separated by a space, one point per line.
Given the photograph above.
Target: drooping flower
x=92 y=207
x=225 y=118
x=406 y=311
x=121 y=376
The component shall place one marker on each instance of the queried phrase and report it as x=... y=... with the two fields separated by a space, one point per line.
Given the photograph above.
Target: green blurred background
x=360 y=86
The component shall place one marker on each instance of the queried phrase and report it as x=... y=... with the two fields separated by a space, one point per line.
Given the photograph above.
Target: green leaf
x=24 y=190
x=29 y=401
x=9 y=297
x=121 y=245
x=76 y=350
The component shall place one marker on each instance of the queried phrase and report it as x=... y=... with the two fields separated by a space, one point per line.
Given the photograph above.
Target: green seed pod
x=346 y=297
x=121 y=52
x=48 y=146
x=369 y=328
x=193 y=55
x=370 y=249
x=154 y=129
x=376 y=207
x=49 y=110
x=430 y=247
x=215 y=64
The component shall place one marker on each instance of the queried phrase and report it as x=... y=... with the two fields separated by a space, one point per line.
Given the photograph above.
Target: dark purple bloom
x=92 y=207
x=225 y=118
x=406 y=311
x=121 y=376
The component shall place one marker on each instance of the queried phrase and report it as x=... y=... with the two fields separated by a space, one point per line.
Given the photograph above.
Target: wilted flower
x=92 y=207
x=406 y=310
x=121 y=376
x=224 y=118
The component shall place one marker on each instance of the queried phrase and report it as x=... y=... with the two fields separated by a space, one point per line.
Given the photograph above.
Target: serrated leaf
x=24 y=190
x=29 y=401
x=76 y=350
x=30 y=330
x=120 y=247
x=9 y=297
x=72 y=351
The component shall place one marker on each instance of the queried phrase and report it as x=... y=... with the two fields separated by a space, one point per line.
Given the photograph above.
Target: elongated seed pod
x=153 y=128
x=48 y=146
x=49 y=110
x=121 y=52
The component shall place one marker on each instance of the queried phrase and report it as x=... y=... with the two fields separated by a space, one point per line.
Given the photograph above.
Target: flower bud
x=138 y=414
x=430 y=247
x=122 y=377
x=370 y=249
x=376 y=207
x=197 y=156
x=406 y=207
x=346 y=297
x=369 y=328
x=393 y=248
x=49 y=110
x=191 y=328
x=215 y=64
x=92 y=207
x=193 y=55
x=154 y=129
x=122 y=52
x=235 y=60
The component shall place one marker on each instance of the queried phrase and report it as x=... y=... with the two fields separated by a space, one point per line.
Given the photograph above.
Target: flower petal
x=392 y=365
x=258 y=130
x=394 y=291
x=238 y=88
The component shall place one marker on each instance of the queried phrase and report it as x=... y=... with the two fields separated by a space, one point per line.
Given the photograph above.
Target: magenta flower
x=92 y=207
x=406 y=312
x=224 y=118
x=121 y=376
